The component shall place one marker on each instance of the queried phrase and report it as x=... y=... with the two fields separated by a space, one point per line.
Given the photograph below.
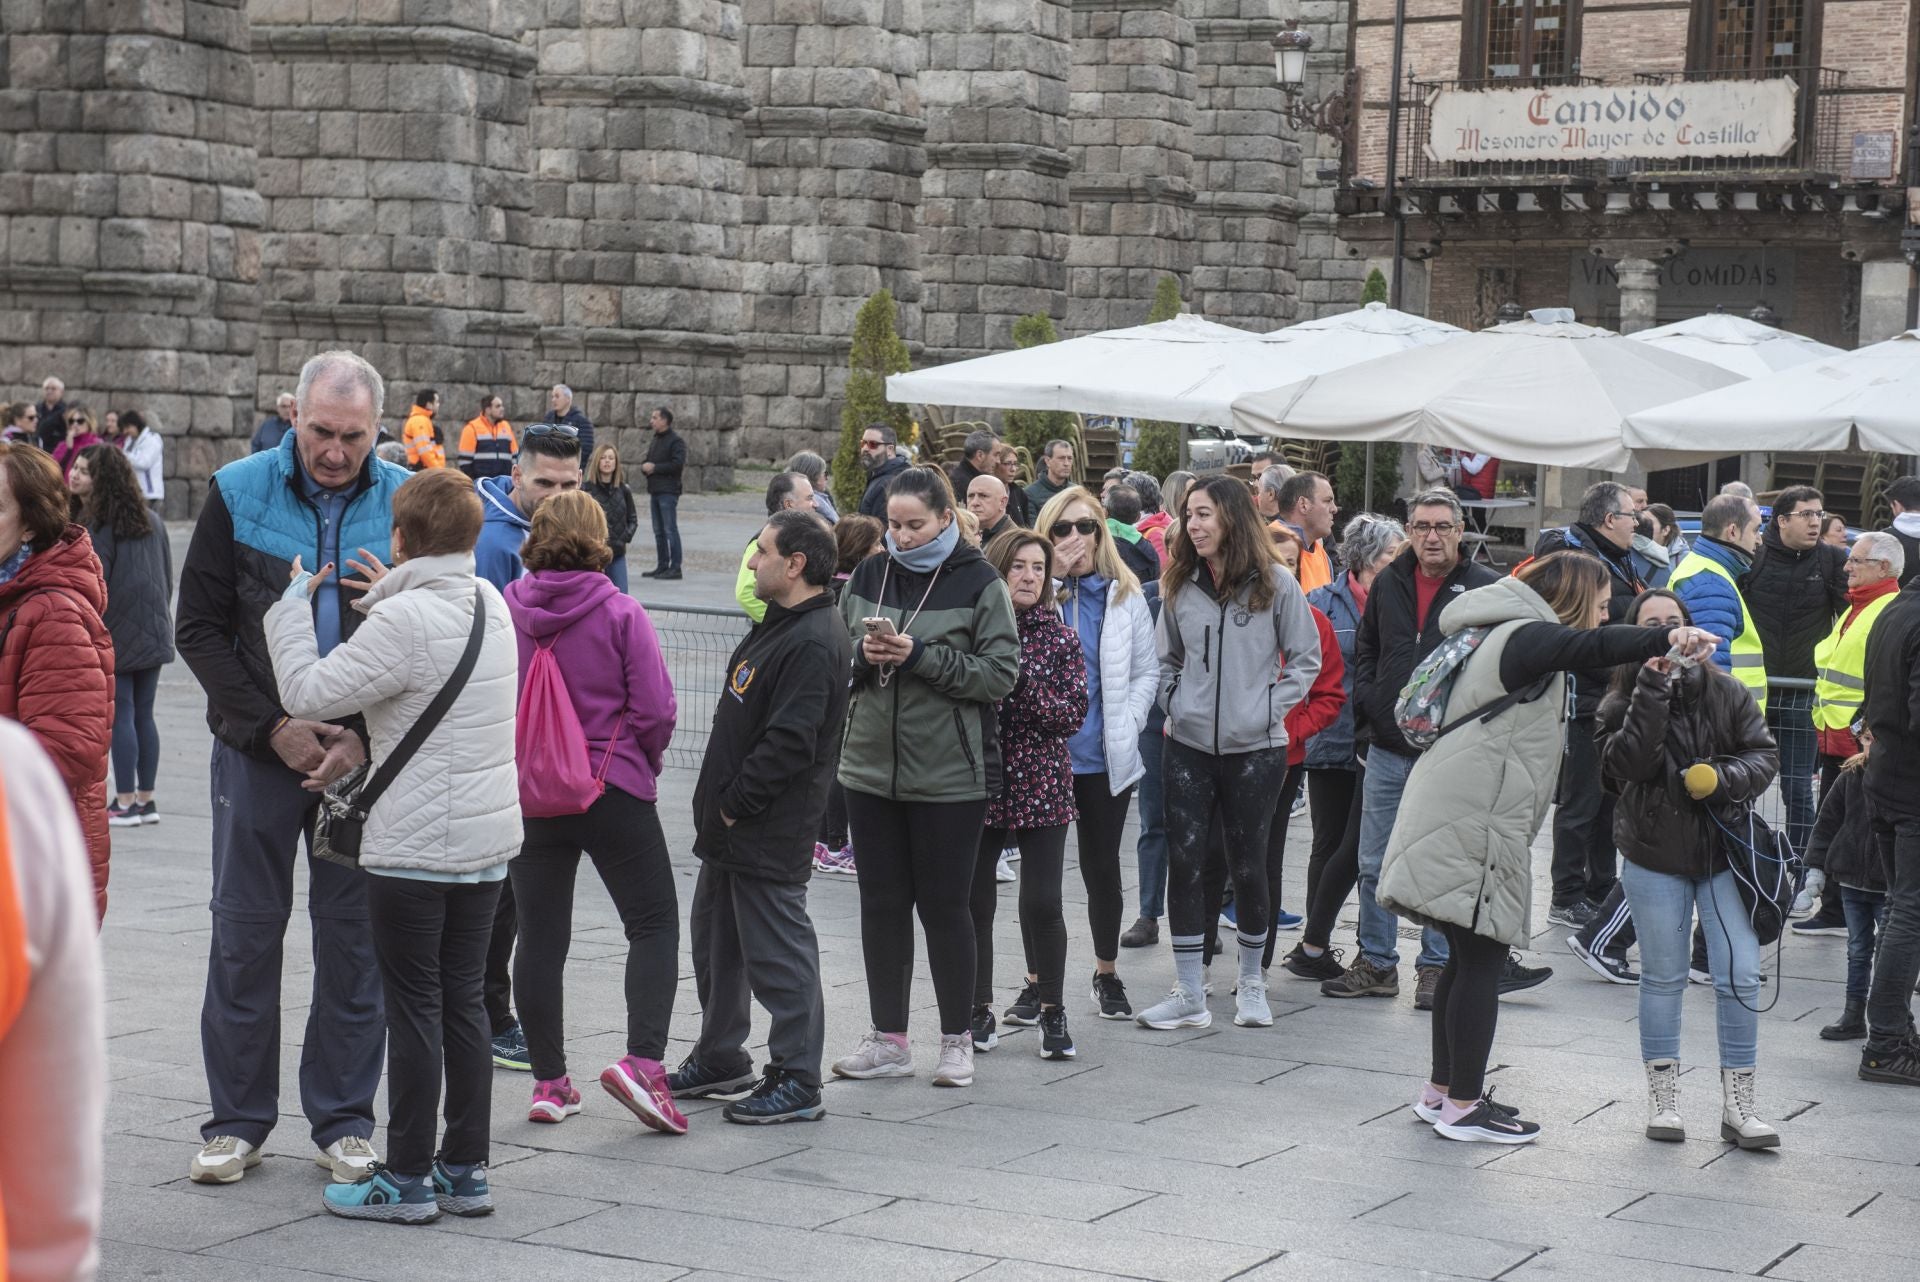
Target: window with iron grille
x=1753 y=36
x=1520 y=39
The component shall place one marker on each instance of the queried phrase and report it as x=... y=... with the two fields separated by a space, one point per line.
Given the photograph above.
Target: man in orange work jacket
x=426 y=447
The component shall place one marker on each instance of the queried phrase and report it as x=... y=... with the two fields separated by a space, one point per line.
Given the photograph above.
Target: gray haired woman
x=1333 y=764
x=814 y=468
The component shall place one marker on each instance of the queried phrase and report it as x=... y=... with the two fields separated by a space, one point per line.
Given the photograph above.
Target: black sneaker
x=1324 y=967
x=694 y=1080
x=1818 y=925
x=1110 y=997
x=1363 y=979
x=1055 y=1041
x=667 y=574
x=1025 y=1011
x=1613 y=969
x=1144 y=933
x=1514 y=976
x=1489 y=1123
x=149 y=813
x=1898 y=1064
x=510 y=1049
x=777 y=1097
x=1576 y=914
x=986 y=1033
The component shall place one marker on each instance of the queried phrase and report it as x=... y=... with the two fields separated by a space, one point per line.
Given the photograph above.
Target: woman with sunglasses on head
x=1102 y=602
x=1461 y=855
x=1035 y=801
x=1238 y=649
x=935 y=647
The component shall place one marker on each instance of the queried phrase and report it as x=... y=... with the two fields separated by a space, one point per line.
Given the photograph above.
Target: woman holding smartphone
x=935 y=647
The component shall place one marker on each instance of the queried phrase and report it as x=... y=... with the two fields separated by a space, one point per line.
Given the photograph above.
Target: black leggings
x=833 y=820
x=1276 y=861
x=1334 y=866
x=1103 y=818
x=1240 y=787
x=621 y=834
x=916 y=856
x=1043 y=926
x=1466 y=1006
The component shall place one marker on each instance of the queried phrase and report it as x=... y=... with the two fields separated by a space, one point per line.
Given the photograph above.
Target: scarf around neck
x=929 y=556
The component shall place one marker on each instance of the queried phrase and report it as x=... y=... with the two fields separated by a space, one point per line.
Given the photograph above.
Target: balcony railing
x=1819 y=151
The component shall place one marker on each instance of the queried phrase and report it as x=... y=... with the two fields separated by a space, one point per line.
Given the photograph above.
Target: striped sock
x=1252 y=952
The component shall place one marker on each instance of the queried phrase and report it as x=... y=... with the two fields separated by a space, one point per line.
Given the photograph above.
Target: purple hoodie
x=606 y=647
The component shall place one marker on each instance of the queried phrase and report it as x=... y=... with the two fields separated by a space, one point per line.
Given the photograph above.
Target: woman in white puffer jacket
x=437 y=842
x=1103 y=603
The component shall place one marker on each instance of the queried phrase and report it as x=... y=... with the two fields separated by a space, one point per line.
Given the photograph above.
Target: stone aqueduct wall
x=679 y=201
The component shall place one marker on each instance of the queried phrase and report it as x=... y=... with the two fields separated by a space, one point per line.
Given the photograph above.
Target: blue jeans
x=1151 y=849
x=666 y=530
x=1790 y=717
x=617 y=571
x=1866 y=910
x=136 y=736
x=1384 y=779
x=1663 y=907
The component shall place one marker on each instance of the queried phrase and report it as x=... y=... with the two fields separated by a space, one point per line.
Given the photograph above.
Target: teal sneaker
x=461 y=1189
x=382 y=1194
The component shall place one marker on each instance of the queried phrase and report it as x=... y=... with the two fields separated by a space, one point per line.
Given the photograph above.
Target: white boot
x=1663 y=1100
x=1739 y=1121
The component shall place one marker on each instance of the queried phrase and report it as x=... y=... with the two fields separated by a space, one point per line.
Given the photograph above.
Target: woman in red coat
x=56 y=657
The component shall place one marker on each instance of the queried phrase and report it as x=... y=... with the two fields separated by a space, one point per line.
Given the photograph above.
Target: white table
x=1481 y=549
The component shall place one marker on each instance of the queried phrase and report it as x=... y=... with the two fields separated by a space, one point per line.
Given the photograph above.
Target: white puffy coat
x=1129 y=677
x=456 y=806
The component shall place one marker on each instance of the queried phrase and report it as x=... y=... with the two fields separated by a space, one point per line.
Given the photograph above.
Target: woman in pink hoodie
x=618 y=685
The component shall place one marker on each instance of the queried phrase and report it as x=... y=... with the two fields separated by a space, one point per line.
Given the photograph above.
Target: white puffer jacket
x=456 y=806
x=1129 y=676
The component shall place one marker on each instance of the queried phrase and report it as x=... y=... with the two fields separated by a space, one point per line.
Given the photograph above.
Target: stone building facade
x=653 y=201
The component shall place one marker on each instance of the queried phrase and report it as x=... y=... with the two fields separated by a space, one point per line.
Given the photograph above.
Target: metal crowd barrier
x=696 y=642
x=1789 y=717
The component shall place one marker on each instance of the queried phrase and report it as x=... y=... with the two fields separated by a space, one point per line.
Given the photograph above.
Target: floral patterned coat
x=1047 y=705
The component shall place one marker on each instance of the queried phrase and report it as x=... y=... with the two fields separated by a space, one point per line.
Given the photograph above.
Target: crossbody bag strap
x=397 y=760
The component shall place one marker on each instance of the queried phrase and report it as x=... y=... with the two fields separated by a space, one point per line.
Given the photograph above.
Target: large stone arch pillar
x=128 y=218
x=394 y=162
x=836 y=147
x=639 y=171
x=1132 y=129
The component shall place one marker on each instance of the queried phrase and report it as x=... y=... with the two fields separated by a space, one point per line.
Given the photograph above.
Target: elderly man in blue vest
x=319 y=495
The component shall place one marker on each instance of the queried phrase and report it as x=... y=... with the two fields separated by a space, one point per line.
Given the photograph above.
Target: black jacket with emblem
x=774 y=744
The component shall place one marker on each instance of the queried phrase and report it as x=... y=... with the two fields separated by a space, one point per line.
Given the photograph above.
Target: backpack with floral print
x=1421 y=710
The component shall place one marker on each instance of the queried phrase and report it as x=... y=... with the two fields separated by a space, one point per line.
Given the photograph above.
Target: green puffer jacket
x=929 y=733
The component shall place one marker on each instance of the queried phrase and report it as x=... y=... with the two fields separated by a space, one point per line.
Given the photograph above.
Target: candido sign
x=1600 y=122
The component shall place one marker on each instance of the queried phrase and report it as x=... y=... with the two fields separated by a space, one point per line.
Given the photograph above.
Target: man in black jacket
x=1794 y=592
x=1891 y=708
x=976 y=459
x=560 y=409
x=880 y=456
x=666 y=463
x=1584 y=860
x=1400 y=627
x=1903 y=496
x=763 y=785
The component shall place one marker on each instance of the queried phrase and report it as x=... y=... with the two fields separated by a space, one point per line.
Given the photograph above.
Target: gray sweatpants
x=259 y=814
x=752 y=938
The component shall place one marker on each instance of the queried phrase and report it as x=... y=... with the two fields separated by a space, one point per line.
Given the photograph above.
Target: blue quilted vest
x=271 y=516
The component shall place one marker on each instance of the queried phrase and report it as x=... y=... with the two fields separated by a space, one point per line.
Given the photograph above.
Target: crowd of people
x=432 y=672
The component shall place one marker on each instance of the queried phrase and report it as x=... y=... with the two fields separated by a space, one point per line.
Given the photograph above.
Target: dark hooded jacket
x=1794 y=595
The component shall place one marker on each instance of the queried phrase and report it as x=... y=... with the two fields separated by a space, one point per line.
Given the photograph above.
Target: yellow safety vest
x=1749 y=659
x=1842 y=661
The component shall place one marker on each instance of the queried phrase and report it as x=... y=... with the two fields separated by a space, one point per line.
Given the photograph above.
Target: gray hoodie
x=1228 y=676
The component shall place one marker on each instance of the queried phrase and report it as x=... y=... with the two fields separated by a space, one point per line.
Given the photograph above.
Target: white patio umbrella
x=1147 y=371
x=1867 y=399
x=1543 y=390
x=1746 y=347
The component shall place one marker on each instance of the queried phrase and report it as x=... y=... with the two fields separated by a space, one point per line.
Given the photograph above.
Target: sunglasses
x=76 y=422
x=566 y=430
x=1085 y=525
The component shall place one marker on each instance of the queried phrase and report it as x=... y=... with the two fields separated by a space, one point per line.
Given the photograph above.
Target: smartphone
x=880 y=627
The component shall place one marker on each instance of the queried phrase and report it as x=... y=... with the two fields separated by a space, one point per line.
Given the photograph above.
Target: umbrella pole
x=1366 y=503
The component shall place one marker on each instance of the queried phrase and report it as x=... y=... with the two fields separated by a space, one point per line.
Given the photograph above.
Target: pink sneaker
x=820 y=852
x=641 y=1084
x=553 y=1101
x=840 y=861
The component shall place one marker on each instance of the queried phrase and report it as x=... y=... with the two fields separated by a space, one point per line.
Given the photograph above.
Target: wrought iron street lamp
x=1333 y=115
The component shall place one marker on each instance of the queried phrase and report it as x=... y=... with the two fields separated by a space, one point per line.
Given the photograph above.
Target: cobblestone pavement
x=1286 y=1152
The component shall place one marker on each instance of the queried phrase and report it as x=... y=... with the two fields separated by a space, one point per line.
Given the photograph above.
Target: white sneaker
x=1003 y=871
x=223 y=1160
x=1250 y=1004
x=348 y=1159
x=1181 y=1008
x=876 y=1056
x=956 y=1060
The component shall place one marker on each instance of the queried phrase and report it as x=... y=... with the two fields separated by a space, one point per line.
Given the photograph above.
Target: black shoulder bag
x=341 y=822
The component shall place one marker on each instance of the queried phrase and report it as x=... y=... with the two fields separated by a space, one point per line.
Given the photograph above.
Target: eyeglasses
x=567 y=430
x=1803 y=516
x=873 y=445
x=1427 y=530
x=1086 y=525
